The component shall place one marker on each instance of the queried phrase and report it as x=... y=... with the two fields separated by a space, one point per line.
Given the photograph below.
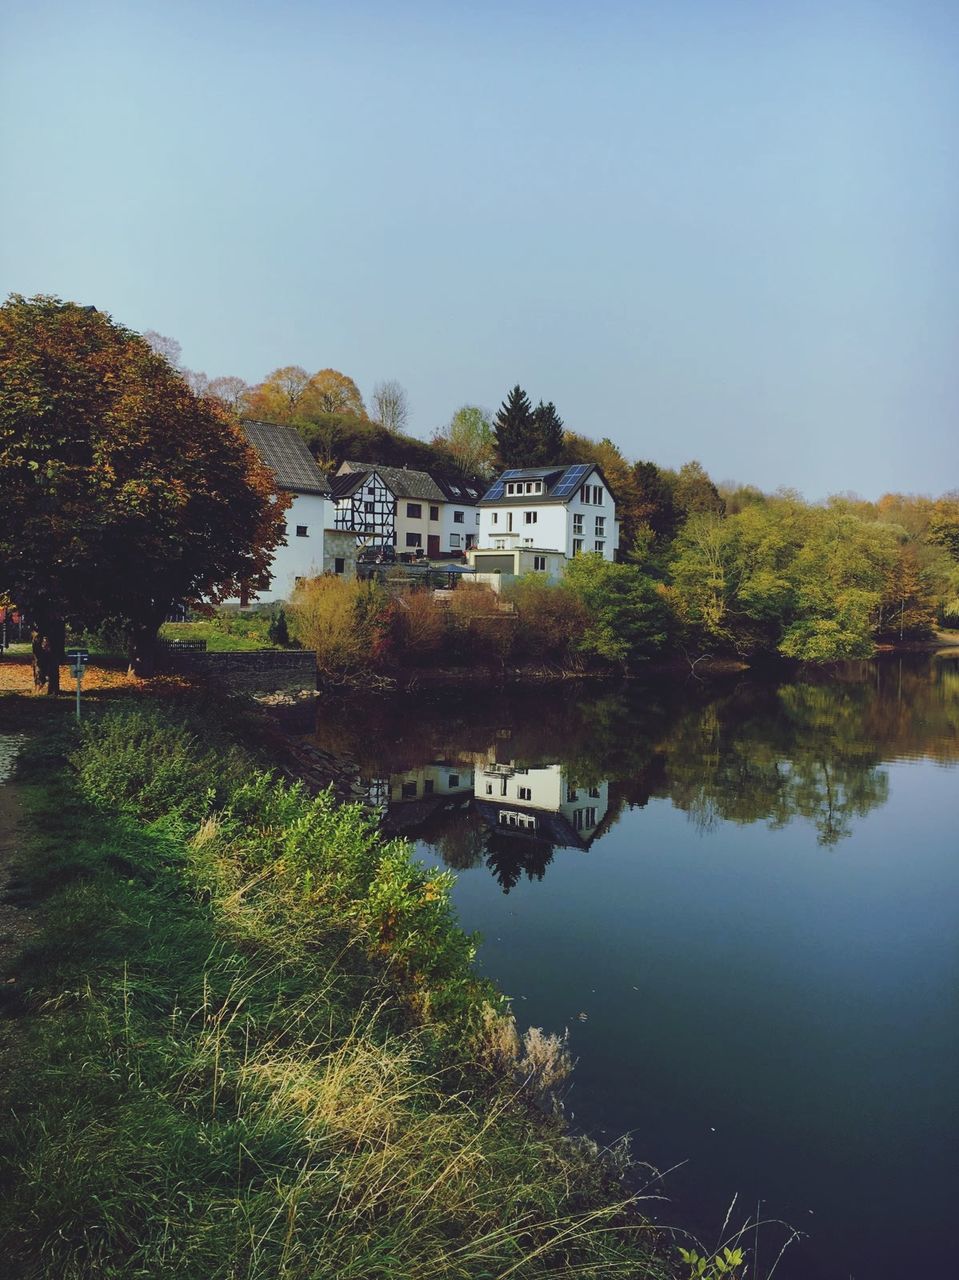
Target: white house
x=566 y=509
x=310 y=547
x=540 y=801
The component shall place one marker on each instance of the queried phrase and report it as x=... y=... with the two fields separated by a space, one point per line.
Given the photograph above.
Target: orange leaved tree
x=122 y=492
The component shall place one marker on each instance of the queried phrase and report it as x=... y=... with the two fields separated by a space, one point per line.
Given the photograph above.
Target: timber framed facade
x=365 y=506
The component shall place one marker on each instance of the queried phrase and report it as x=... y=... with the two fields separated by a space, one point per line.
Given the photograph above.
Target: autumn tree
x=281 y=395
x=123 y=492
x=390 y=406
x=230 y=391
x=469 y=440
x=333 y=392
x=163 y=346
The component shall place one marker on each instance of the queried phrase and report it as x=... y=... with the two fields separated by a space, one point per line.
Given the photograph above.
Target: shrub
x=341 y=620
x=552 y=621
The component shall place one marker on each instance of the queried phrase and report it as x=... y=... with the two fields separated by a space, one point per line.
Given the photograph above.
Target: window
x=434 y=513
x=459 y=517
x=301 y=531
x=493 y=519
x=454 y=540
x=526 y=821
x=428 y=787
x=454 y=780
x=529 y=517
x=283 y=528
x=524 y=793
x=599 y=546
x=577 y=546
x=369 y=506
x=339 y=564
x=414 y=539
x=593 y=793
x=500 y=544
x=509 y=521
x=414 y=510
x=489 y=788
x=578 y=522
x=583 y=818
x=598 y=494
x=502 y=785
x=600 y=526
x=527 y=542
x=592 y=493
x=409 y=790
x=539 y=564
x=477 y=517
x=371 y=490
x=572 y=795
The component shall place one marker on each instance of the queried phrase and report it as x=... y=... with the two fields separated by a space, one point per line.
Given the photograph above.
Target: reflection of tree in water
x=772 y=754
x=460 y=841
x=743 y=751
x=508 y=857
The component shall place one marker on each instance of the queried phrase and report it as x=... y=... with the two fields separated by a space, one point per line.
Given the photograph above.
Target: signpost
x=78 y=659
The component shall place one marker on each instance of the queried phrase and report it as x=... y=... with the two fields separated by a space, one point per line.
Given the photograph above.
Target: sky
x=712 y=229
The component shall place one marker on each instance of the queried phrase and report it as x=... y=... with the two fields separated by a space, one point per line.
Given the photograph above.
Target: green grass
x=226 y=632
x=257 y=1045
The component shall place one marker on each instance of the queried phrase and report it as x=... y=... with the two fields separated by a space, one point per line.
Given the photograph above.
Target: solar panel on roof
x=494 y=493
x=510 y=475
x=570 y=480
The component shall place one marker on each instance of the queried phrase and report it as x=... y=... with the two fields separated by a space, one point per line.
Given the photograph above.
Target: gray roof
x=403 y=482
x=284 y=451
x=560 y=483
x=465 y=493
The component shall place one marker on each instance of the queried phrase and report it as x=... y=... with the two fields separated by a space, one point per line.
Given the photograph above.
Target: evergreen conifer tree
x=514 y=429
x=548 y=433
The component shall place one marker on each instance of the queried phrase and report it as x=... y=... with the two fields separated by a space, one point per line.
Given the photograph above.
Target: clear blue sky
x=723 y=230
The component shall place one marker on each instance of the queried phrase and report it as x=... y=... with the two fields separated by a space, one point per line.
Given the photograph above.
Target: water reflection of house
x=411 y=797
x=540 y=802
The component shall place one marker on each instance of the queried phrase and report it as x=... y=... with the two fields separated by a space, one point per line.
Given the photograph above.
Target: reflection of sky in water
x=759 y=927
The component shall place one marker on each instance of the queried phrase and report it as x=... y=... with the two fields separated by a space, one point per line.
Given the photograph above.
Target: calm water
x=742 y=901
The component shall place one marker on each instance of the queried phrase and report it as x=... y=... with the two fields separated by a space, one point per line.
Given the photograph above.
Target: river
x=741 y=898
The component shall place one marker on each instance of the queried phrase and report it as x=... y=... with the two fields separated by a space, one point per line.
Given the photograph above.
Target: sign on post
x=78 y=659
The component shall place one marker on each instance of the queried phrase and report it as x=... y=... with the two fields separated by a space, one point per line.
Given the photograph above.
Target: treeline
x=711 y=569
x=817 y=584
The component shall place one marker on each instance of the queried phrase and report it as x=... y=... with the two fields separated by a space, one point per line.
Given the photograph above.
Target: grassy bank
x=255 y=1045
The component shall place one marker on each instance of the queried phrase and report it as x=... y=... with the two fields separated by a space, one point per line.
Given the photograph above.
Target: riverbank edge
x=110 y=867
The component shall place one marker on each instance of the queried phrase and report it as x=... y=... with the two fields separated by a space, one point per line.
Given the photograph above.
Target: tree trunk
x=48 y=640
x=143 y=639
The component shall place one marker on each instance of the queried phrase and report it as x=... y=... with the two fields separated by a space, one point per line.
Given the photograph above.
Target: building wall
x=451 y=528
x=372 y=527
x=297 y=557
x=554 y=525
x=433 y=779
x=547 y=787
x=513 y=563
x=339 y=553
x=419 y=526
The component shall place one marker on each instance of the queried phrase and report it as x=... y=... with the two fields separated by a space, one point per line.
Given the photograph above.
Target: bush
x=342 y=620
x=552 y=621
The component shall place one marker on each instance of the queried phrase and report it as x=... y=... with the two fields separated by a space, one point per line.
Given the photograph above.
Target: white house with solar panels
x=534 y=519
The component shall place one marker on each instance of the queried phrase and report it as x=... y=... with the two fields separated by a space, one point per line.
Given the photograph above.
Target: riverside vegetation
x=258 y=1046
